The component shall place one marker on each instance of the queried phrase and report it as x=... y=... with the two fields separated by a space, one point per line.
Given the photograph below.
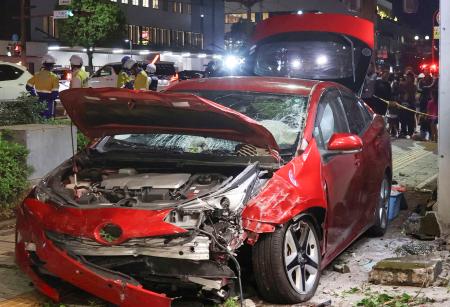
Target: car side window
x=8 y=72
x=330 y=118
x=352 y=106
x=104 y=72
x=368 y=117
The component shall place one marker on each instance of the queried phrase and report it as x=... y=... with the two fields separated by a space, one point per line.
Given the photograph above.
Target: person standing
x=424 y=87
x=124 y=77
x=408 y=100
x=45 y=84
x=382 y=90
x=140 y=81
x=432 y=110
x=79 y=75
x=152 y=78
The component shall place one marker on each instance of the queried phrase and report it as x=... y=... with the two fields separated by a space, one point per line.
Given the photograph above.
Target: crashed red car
x=176 y=184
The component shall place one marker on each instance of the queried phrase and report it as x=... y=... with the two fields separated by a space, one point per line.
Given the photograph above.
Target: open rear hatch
x=327 y=47
x=110 y=111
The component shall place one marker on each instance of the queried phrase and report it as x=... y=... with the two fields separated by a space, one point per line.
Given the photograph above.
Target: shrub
x=23 y=110
x=13 y=171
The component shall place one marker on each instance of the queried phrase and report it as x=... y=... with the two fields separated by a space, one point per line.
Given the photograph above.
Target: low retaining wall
x=49 y=145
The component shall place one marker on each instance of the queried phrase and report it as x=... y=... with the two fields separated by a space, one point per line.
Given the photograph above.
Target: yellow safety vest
x=83 y=76
x=122 y=79
x=141 y=81
x=44 y=81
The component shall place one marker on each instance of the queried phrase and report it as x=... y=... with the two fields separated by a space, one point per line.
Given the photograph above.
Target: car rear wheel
x=286 y=263
x=382 y=213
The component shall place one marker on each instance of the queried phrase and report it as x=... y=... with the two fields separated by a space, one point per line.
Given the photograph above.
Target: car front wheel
x=382 y=213
x=286 y=263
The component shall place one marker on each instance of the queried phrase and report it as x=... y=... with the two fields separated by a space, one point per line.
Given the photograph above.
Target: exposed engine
x=207 y=204
x=128 y=188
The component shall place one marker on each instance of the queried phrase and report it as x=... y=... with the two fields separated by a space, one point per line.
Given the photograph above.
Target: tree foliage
x=94 y=22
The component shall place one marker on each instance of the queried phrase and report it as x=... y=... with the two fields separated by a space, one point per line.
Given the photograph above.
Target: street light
x=299 y=12
x=416 y=37
x=131 y=46
x=427 y=37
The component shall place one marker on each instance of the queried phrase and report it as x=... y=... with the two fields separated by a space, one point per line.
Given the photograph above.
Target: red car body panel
x=354 y=26
x=30 y=228
x=110 y=111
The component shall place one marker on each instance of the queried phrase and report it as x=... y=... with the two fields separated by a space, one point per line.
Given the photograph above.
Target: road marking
x=410 y=160
x=427 y=181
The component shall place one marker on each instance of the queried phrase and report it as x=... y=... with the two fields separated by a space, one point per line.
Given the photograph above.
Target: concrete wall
x=49 y=145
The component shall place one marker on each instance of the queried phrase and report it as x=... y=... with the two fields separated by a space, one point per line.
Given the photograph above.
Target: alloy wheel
x=301 y=257
x=384 y=203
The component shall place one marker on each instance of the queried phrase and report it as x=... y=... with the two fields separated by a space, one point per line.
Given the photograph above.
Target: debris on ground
x=382 y=299
x=415 y=271
x=422 y=227
x=341 y=268
x=414 y=248
x=429 y=225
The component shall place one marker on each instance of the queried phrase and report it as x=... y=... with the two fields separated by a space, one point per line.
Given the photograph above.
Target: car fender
x=293 y=189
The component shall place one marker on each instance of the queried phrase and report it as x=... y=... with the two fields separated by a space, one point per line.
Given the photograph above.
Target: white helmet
x=129 y=63
x=151 y=68
x=421 y=75
x=48 y=59
x=76 y=60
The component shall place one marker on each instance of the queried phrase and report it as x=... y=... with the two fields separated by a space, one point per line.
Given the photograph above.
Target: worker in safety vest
x=124 y=77
x=152 y=78
x=79 y=75
x=45 y=85
x=140 y=81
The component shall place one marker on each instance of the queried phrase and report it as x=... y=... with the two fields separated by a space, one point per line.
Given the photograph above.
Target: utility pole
x=444 y=119
x=23 y=34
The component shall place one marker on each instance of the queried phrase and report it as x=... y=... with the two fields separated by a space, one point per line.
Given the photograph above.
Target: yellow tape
x=398 y=105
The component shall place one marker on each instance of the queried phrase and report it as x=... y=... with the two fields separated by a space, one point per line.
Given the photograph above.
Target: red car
x=176 y=184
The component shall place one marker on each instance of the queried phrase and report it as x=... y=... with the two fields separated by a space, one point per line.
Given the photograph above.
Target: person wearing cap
x=45 y=85
x=79 y=75
x=124 y=77
x=140 y=81
x=152 y=78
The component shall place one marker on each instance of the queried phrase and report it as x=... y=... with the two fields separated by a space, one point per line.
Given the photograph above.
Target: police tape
x=398 y=105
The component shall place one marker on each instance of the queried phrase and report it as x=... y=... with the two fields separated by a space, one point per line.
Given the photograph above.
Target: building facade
x=192 y=25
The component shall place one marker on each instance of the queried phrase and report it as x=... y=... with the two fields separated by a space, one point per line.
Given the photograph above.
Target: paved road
x=415 y=166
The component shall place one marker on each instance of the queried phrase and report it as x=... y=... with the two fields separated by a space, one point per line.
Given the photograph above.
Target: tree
x=92 y=23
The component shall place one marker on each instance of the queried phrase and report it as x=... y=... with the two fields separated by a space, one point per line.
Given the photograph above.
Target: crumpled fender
x=294 y=188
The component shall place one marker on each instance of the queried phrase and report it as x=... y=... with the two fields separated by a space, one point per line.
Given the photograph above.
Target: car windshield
x=283 y=115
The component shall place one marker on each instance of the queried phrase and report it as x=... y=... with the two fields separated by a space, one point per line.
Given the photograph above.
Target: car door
x=372 y=169
x=338 y=173
x=104 y=77
x=11 y=84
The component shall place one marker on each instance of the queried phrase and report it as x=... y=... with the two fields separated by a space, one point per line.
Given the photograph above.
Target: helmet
x=76 y=60
x=151 y=68
x=129 y=63
x=125 y=59
x=421 y=75
x=48 y=59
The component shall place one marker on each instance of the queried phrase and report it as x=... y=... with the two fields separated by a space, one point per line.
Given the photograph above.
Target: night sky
x=422 y=21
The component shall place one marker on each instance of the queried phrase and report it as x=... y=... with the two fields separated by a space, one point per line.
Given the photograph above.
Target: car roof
x=13 y=64
x=251 y=84
x=141 y=61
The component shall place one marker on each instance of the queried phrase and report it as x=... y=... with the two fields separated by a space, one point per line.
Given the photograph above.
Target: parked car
x=191 y=74
x=106 y=76
x=13 y=79
x=64 y=75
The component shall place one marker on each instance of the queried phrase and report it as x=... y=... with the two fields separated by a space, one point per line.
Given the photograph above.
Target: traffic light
x=17 y=49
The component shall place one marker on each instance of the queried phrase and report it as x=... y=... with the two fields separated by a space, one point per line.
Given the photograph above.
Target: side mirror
x=345 y=143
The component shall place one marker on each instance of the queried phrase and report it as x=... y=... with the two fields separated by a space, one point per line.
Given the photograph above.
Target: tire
x=382 y=213
x=277 y=265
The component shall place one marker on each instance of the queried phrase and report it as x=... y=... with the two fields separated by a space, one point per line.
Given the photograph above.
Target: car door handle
x=21 y=84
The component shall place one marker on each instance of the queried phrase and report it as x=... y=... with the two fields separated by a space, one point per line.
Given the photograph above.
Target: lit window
x=113 y=0
x=155 y=4
x=145 y=3
x=135 y=2
x=125 y=1
x=265 y=16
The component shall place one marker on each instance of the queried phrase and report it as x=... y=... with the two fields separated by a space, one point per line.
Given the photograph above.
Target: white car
x=13 y=79
x=106 y=76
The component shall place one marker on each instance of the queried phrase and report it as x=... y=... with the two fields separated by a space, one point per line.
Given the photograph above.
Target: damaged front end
x=167 y=232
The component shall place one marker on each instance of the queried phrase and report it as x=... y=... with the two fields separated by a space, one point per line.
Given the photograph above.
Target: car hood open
x=110 y=111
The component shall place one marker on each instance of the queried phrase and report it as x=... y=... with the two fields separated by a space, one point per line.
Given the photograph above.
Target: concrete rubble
x=418 y=271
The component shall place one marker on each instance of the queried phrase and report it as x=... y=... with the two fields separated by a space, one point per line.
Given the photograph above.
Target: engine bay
x=129 y=188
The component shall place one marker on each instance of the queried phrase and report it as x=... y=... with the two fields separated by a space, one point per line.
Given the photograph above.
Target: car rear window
x=165 y=69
